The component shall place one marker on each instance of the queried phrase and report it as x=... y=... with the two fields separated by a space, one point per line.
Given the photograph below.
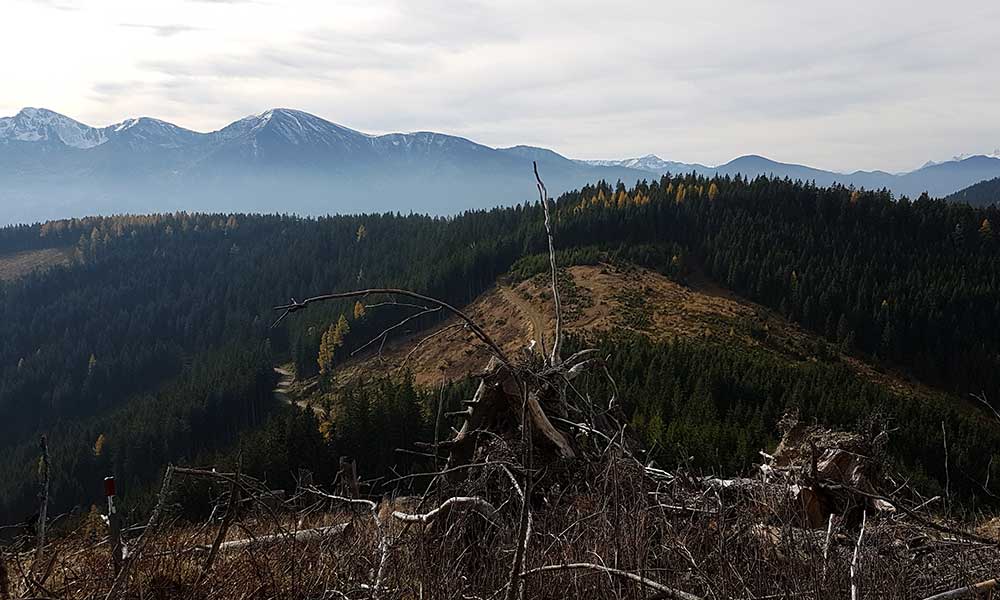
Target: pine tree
x=359 y=310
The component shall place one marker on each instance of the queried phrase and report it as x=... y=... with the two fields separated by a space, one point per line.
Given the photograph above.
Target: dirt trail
x=282 y=392
x=537 y=320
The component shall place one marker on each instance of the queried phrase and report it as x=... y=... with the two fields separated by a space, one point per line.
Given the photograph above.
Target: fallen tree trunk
x=302 y=536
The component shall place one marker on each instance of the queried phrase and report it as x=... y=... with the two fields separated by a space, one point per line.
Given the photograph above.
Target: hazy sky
x=841 y=85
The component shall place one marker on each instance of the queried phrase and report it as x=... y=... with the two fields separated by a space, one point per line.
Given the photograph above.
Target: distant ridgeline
x=155 y=344
x=984 y=193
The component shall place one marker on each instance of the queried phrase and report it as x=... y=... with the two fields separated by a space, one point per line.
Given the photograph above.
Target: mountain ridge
x=53 y=166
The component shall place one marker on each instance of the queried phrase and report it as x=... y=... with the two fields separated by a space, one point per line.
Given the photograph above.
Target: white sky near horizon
x=844 y=86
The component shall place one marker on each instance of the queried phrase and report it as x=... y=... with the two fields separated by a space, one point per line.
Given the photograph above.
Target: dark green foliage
x=163 y=302
x=715 y=406
x=983 y=193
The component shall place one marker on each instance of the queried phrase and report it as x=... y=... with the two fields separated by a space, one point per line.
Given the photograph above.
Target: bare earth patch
x=599 y=299
x=19 y=264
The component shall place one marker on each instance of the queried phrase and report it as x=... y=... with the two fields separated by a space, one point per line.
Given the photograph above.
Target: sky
x=839 y=85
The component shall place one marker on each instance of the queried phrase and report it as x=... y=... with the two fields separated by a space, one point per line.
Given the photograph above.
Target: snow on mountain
x=292 y=160
x=649 y=162
x=147 y=132
x=39 y=124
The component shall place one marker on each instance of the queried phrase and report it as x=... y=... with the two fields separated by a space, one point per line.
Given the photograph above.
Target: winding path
x=281 y=393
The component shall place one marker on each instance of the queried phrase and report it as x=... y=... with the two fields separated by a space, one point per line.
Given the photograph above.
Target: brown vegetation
x=19 y=264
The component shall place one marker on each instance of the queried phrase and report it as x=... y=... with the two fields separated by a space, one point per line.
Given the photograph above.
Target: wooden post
x=114 y=525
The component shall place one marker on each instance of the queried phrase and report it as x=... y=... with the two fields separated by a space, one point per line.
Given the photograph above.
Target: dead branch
x=854 y=560
x=234 y=498
x=385 y=332
x=300 y=536
x=544 y=197
x=476 y=504
x=148 y=532
x=295 y=306
x=383 y=541
x=910 y=513
x=977 y=590
x=665 y=592
x=524 y=530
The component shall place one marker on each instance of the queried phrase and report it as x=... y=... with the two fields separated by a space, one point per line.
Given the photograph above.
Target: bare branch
x=234 y=498
x=477 y=504
x=543 y=194
x=665 y=592
x=854 y=561
x=386 y=331
x=295 y=306
x=977 y=590
x=147 y=534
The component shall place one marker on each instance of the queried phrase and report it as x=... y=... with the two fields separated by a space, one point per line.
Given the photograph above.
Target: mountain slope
x=601 y=299
x=937 y=179
x=983 y=193
x=52 y=166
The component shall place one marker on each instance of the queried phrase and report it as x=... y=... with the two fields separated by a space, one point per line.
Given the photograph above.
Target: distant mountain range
x=284 y=160
x=938 y=179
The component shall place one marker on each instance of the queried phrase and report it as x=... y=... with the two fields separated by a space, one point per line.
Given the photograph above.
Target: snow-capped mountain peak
x=40 y=124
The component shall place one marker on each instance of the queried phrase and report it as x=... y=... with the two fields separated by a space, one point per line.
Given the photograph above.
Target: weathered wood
x=147 y=534
x=477 y=505
x=302 y=536
x=227 y=519
x=984 y=587
x=665 y=592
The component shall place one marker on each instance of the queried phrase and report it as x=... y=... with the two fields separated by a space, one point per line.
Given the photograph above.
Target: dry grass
x=601 y=299
x=731 y=544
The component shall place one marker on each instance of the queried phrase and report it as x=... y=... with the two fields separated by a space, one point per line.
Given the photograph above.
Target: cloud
x=162 y=30
x=843 y=86
x=64 y=5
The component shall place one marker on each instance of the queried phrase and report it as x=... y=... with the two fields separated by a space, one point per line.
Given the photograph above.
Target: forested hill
x=984 y=193
x=156 y=344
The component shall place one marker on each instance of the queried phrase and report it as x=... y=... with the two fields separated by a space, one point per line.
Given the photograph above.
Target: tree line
x=154 y=303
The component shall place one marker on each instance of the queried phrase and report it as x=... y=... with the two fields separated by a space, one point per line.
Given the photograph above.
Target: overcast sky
x=841 y=85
